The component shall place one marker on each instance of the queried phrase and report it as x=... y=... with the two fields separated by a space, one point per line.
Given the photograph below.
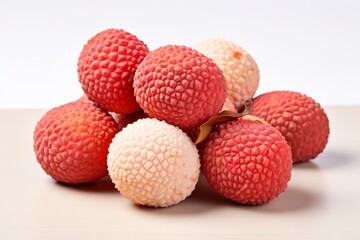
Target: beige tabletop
x=321 y=201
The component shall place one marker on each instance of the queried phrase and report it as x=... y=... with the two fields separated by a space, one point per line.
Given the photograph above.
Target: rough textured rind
x=153 y=163
x=179 y=85
x=71 y=142
x=299 y=118
x=240 y=69
x=247 y=160
x=106 y=68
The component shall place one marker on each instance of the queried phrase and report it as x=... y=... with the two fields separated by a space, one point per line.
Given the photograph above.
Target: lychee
x=240 y=69
x=246 y=160
x=71 y=142
x=153 y=163
x=301 y=120
x=106 y=68
x=179 y=85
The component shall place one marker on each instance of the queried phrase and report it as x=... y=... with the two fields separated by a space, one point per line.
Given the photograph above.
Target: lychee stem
x=222 y=117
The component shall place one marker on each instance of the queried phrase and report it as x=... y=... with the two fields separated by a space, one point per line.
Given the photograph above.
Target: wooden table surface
x=321 y=201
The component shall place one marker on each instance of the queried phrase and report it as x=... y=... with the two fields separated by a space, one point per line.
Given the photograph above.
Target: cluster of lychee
x=154 y=120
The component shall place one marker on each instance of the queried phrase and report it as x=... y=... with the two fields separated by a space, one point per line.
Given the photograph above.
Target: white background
x=308 y=46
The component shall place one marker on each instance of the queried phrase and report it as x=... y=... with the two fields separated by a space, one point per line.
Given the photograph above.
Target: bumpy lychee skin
x=179 y=85
x=247 y=160
x=71 y=142
x=240 y=69
x=153 y=163
x=301 y=120
x=106 y=68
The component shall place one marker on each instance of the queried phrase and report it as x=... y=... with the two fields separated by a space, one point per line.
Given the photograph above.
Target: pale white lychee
x=153 y=163
x=239 y=68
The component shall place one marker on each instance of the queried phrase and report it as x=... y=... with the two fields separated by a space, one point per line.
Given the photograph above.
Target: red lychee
x=246 y=160
x=71 y=142
x=179 y=85
x=106 y=68
x=301 y=120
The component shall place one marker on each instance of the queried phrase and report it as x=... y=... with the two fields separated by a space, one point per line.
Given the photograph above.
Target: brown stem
x=222 y=117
